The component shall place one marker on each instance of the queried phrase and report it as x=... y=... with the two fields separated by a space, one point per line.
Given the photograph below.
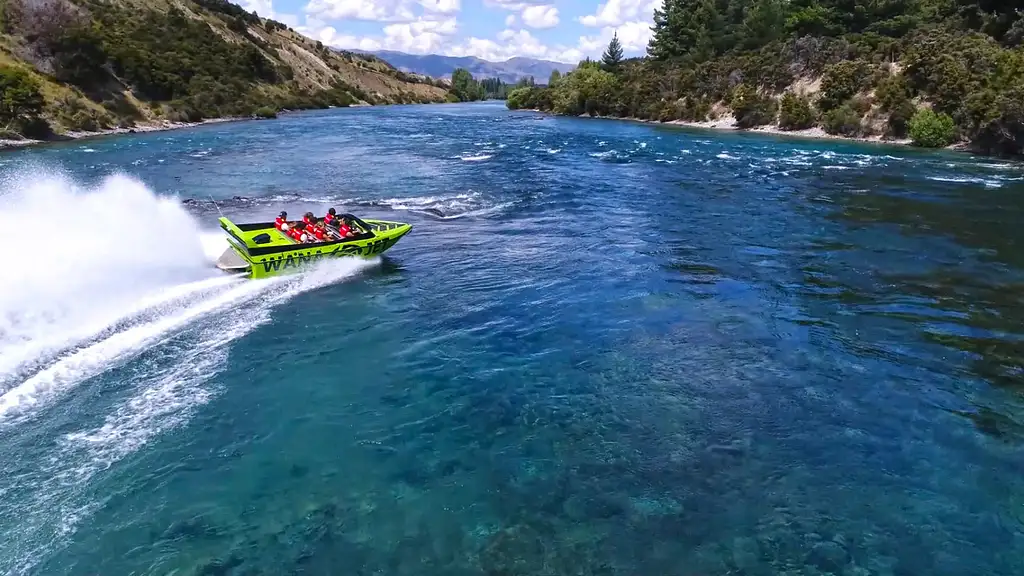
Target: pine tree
x=686 y=28
x=664 y=43
x=612 y=57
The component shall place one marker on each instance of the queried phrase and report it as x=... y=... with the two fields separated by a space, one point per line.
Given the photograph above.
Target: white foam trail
x=967 y=180
x=115 y=244
x=21 y=356
x=476 y=158
x=122 y=346
x=165 y=395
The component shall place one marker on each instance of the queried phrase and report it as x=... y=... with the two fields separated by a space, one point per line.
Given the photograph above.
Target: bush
x=860 y=104
x=795 y=112
x=930 y=130
x=34 y=127
x=899 y=119
x=521 y=98
x=20 y=98
x=843 y=121
x=694 y=109
x=752 y=109
x=76 y=114
x=842 y=81
x=265 y=112
x=892 y=93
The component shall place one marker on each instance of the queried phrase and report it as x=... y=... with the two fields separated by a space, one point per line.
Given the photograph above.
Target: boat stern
x=233 y=261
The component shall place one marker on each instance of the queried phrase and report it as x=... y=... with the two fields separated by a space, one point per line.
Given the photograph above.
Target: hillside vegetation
x=936 y=71
x=87 y=65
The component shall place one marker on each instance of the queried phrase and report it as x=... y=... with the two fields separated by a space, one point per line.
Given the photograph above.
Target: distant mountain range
x=438 y=66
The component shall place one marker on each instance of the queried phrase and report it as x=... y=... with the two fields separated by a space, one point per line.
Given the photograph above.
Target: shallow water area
x=605 y=348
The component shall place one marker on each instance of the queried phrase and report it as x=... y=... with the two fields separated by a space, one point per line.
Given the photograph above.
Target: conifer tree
x=612 y=57
x=664 y=43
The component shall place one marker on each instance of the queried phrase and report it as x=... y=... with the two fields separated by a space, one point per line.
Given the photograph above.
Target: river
x=605 y=348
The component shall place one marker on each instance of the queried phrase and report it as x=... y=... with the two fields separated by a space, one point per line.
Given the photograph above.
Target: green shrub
x=795 y=112
x=35 y=127
x=842 y=81
x=752 y=109
x=860 y=104
x=75 y=113
x=694 y=109
x=930 y=130
x=20 y=98
x=843 y=121
x=265 y=112
x=899 y=119
x=892 y=92
x=519 y=98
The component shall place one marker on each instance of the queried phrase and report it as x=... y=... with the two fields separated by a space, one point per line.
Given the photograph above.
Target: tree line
x=936 y=71
x=465 y=88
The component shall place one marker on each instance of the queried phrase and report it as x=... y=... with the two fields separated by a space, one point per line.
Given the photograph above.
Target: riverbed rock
x=828 y=556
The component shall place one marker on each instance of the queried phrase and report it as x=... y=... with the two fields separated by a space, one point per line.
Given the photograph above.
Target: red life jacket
x=318 y=233
x=329 y=218
x=296 y=234
x=344 y=230
x=278 y=222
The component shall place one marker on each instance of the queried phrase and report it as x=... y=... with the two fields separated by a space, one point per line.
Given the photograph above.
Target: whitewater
x=115 y=274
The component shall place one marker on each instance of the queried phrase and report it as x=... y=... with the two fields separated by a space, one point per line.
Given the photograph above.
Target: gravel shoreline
x=153 y=126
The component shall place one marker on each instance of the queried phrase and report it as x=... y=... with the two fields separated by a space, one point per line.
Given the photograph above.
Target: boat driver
x=345 y=228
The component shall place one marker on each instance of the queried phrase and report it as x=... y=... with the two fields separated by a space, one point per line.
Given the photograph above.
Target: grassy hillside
x=937 y=71
x=85 y=65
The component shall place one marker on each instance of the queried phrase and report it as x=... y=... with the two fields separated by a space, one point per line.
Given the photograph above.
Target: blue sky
x=566 y=30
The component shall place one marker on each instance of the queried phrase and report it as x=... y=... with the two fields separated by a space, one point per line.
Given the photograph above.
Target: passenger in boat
x=300 y=233
x=331 y=216
x=281 y=222
x=318 y=232
x=309 y=219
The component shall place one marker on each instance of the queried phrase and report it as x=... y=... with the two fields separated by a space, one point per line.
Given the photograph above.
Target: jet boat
x=260 y=250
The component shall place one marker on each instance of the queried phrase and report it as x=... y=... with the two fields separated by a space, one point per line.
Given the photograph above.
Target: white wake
x=96 y=276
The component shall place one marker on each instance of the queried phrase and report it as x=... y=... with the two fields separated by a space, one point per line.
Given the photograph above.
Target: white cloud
x=430 y=26
x=512 y=43
x=619 y=12
x=441 y=6
x=373 y=10
x=544 y=16
x=418 y=37
x=515 y=4
x=634 y=37
x=265 y=8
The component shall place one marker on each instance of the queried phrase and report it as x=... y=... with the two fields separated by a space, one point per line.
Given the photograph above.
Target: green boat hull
x=259 y=250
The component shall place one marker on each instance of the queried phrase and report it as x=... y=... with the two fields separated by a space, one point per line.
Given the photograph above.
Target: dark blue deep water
x=606 y=348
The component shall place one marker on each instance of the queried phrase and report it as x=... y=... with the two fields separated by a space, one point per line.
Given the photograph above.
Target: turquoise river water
x=605 y=348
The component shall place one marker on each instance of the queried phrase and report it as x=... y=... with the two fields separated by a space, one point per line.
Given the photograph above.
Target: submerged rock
x=828 y=557
x=746 y=554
